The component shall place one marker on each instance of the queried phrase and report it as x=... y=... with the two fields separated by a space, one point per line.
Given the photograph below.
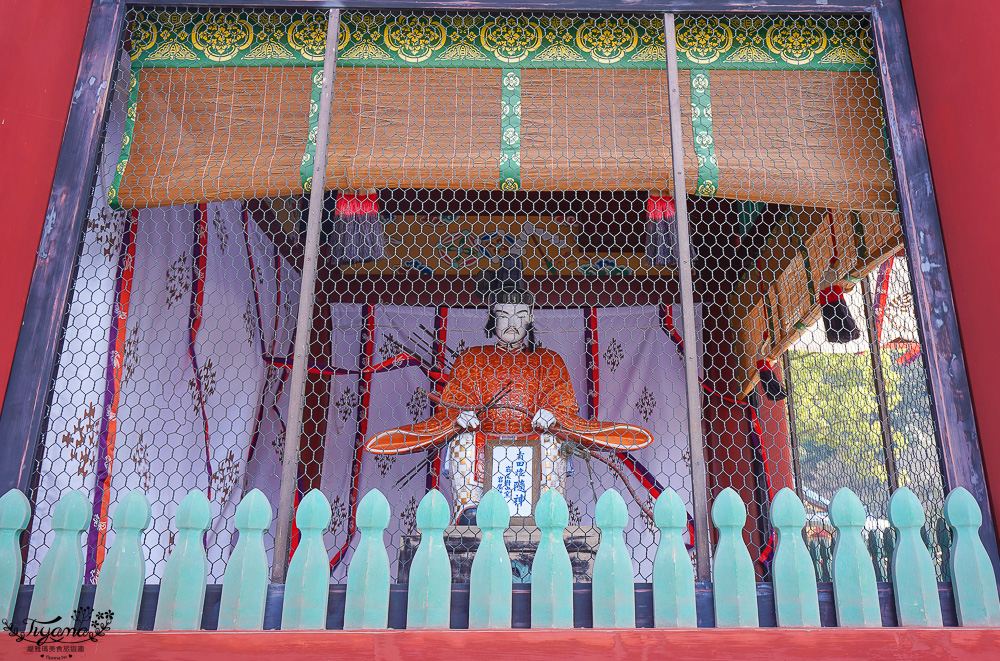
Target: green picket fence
x=880 y=544
x=245 y=582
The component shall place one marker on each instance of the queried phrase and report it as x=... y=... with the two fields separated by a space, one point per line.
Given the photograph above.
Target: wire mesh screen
x=496 y=303
x=499 y=289
x=864 y=425
x=166 y=380
x=801 y=154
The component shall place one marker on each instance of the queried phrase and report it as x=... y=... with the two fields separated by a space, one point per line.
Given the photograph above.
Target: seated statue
x=535 y=398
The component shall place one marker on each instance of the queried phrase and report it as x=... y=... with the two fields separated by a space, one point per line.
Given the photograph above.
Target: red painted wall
x=955 y=62
x=41 y=52
x=770 y=644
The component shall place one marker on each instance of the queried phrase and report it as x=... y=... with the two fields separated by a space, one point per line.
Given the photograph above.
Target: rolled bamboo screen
x=217 y=133
x=596 y=130
x=810 y=138
x=415 y=128
x=806 y=138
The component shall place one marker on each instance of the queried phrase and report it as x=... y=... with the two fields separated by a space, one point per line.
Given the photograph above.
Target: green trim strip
x=859 y=236
x=701 y=126
x=130 y=111
x=748 y=214
x=306 y=172
x=510 y=129
x=472 y=40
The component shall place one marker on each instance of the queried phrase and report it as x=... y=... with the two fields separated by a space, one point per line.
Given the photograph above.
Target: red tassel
x=661 y=220
x=772 y=387
x=837 y=318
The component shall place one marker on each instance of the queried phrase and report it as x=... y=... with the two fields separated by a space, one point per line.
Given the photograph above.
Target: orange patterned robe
x=540 y=381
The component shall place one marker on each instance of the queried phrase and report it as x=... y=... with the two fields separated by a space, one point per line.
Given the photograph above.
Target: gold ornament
x=221 y=36
x=796 y=40
x=511 y=39
x=607 y=40
x=308 y=36
x=703 y=39
x=415 y=38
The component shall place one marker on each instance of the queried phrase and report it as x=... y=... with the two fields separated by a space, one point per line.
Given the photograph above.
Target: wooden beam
x=830 y=644
x=951 y=398
x=35 y=357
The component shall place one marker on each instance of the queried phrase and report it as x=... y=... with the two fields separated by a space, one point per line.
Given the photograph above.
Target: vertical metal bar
x=303 y=325
x=699 y=478
x=793 y=439
x=889 y=453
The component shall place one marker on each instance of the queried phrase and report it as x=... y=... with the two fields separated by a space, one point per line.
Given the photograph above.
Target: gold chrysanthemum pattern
x=214 y=38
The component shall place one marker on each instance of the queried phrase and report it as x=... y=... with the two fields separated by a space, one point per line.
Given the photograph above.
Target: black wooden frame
x=41 y=327
x=37 y=346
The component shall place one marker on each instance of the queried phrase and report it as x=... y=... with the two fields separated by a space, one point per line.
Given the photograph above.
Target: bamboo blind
x=596 y=130
x=415 y=128
x=807 y=138
x=803 y=138
x=204 y=134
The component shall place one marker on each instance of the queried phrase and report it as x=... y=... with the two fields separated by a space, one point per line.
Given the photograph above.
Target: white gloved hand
x=467 y=420
x=544 y=420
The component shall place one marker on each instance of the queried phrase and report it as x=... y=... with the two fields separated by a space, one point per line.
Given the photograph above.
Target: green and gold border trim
x=704 y=139
x=130 y=114
x=510 y=129
x=161 y=38
x=774 y=43
x=306 y=172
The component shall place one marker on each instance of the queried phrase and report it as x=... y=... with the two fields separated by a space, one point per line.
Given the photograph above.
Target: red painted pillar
x=955 y=61
x=42 y=50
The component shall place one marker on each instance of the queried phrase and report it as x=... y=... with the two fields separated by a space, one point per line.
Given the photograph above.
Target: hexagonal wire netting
x=498 y=236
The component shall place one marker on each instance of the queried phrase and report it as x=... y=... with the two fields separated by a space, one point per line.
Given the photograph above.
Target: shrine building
x=407 y=328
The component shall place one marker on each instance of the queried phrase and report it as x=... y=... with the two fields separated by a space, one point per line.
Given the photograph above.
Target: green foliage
x=838 y=430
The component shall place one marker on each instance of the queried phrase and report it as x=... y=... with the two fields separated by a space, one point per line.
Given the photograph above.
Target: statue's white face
x=512 y=322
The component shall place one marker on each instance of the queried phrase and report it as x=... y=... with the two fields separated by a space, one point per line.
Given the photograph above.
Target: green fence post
x=60 y=575
x=972 y=577
x=796 y=599
x=491 y=579
x=123 y=572
x=614 y=578
x=913 y=577
x=551 y=570
x=368 y=575
x=733 y=577
x=244 y=583
x=673 y=576
x=182 y=588
x=855 y=592
x=428 y=604
x=307 y=584
x=15 y=512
